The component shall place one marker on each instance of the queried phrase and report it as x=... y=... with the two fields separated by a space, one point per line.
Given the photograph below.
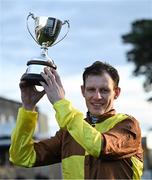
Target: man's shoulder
x=131 y=118
x=129 y=121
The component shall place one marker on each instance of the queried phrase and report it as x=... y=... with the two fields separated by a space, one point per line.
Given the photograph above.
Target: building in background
x=8 y=115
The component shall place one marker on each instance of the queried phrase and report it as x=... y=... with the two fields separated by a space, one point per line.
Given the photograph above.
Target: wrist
x=28 y=107
x=57 y=100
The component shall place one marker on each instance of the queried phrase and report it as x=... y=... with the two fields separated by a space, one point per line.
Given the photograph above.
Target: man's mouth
x=97 y=105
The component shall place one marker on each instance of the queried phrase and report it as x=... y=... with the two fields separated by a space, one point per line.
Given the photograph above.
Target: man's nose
x=98 y=95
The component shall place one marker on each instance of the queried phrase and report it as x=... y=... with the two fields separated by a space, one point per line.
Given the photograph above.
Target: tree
x=141 y=53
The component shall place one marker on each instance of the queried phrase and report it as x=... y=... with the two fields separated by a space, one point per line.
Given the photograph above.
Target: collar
x=91 y=119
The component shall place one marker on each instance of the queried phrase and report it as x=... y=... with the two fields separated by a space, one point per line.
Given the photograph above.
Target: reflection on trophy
x=47 y=30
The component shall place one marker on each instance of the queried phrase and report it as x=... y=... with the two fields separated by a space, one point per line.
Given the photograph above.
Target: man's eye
x=104 y=90
x=91 y=89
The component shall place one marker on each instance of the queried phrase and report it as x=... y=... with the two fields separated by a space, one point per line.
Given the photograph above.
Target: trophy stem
x=44 y=48
x=44 y=55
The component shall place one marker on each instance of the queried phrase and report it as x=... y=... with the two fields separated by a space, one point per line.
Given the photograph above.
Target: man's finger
x=45 y=86
x=57 y=77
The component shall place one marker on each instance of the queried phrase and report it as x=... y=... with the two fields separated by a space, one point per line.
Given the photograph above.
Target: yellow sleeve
x=71 y=119
x=22 y=145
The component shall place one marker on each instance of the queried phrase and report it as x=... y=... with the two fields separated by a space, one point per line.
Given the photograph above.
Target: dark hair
x=98 y=68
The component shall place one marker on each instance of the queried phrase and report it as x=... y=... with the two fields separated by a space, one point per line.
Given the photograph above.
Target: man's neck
x=94 y=118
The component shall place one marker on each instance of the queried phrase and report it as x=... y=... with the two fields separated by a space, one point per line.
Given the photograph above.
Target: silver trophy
x=47 y=30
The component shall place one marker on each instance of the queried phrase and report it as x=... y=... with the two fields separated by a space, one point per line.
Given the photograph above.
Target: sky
x=96 y=28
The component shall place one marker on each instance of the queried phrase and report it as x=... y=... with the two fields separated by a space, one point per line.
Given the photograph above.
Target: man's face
x=99 y=93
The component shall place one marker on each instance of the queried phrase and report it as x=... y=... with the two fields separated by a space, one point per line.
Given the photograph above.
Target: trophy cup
x=47 y=30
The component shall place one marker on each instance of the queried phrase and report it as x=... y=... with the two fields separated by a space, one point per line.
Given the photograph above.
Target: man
x=104 y=145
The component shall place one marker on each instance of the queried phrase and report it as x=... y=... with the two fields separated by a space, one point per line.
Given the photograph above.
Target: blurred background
x=113 y=31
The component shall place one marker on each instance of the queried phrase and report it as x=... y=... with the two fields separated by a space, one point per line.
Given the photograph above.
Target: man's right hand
x=30 y=95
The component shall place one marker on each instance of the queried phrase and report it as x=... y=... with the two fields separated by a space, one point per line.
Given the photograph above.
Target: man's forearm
x=71 y=119
x=22 y=149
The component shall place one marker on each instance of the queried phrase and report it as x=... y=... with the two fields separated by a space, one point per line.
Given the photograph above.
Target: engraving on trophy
x=47 y=30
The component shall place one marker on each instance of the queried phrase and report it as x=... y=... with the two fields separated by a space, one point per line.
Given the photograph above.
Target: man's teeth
x=97 y=104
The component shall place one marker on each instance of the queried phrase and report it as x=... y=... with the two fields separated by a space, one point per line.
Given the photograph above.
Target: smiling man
x=100 y=89
x=102 y=145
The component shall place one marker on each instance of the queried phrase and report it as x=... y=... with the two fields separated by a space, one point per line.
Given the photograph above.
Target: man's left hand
x=53 y=86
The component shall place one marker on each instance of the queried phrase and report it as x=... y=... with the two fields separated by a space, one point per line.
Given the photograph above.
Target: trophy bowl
x=46 y=31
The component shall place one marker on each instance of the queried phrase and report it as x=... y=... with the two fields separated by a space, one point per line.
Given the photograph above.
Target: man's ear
x=117 y=92
x=82 y=90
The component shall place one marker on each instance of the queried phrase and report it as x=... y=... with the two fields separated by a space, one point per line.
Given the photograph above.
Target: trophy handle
x=32 y=15
x=68 y=27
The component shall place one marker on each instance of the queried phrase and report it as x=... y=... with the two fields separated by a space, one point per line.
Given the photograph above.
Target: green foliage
x=140 y=38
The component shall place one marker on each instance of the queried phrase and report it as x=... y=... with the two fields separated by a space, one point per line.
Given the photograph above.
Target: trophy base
x=33 y=79
x=35 y=67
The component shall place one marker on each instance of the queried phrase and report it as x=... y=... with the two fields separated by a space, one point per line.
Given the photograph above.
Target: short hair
x=98 y=68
